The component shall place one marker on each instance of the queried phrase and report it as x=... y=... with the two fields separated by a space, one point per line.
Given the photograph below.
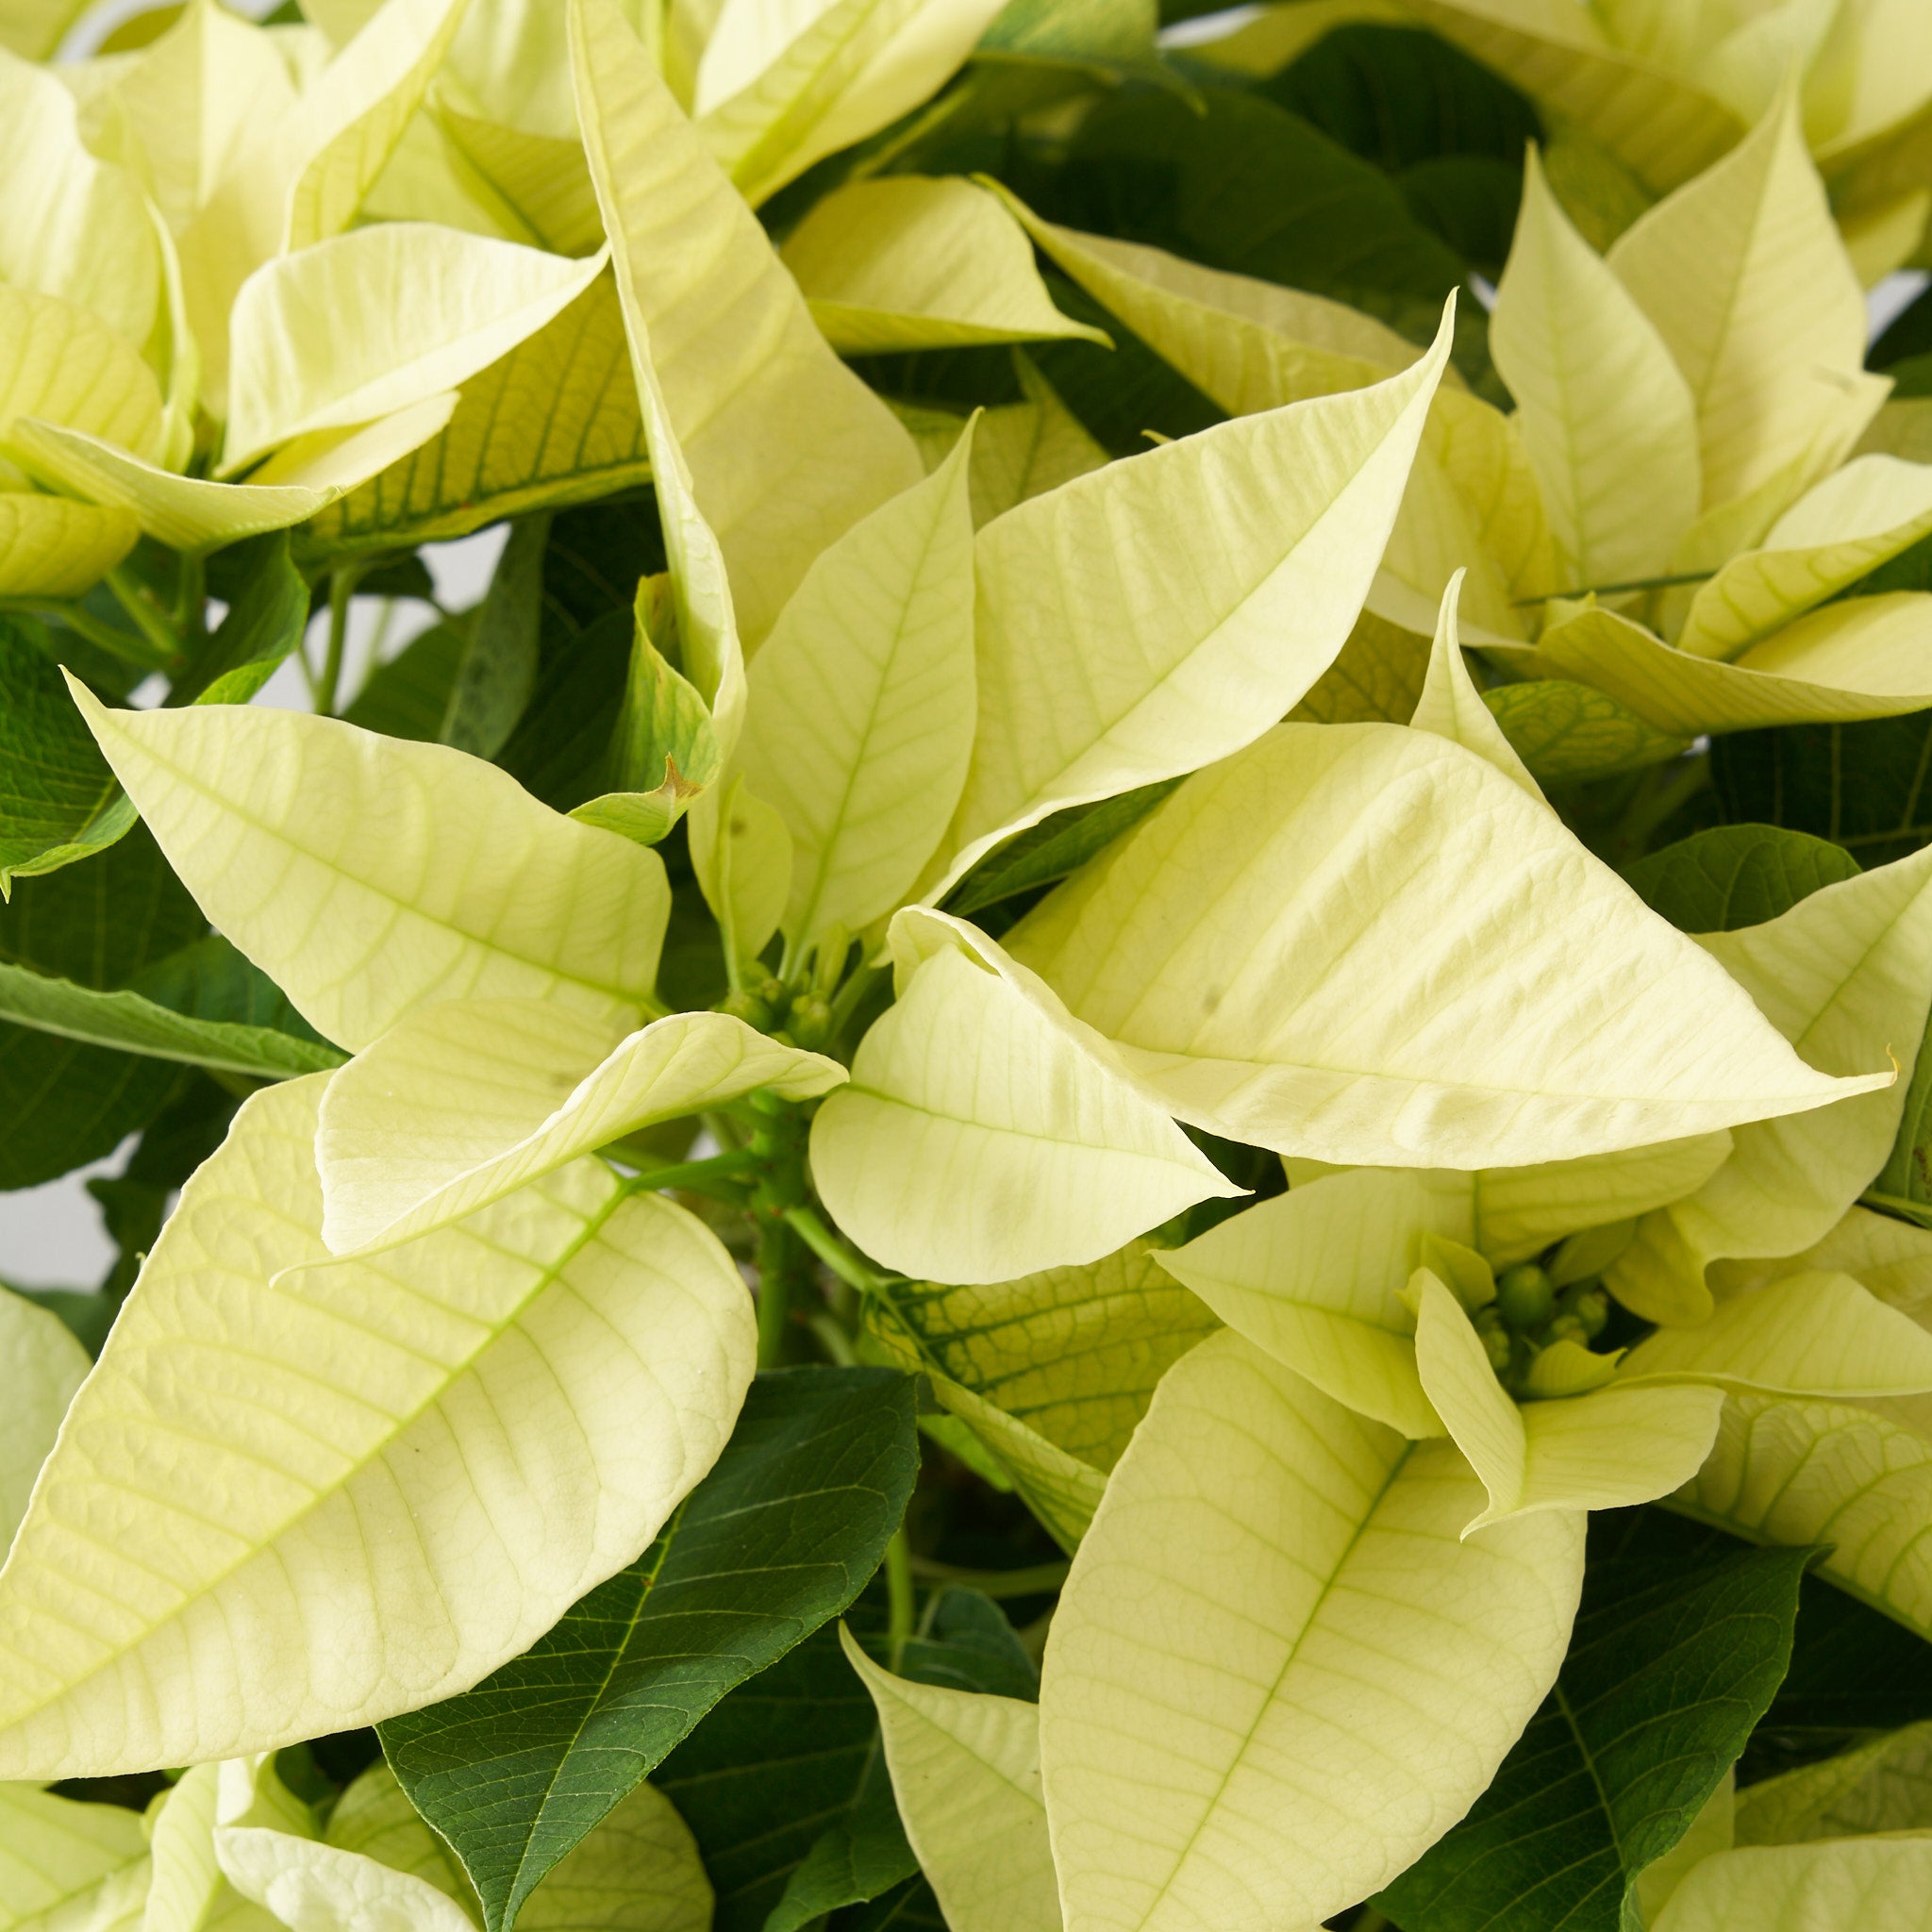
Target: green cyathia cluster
x=1108 y=1115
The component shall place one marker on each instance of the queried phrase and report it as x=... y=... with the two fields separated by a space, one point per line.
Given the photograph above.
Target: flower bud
x=1524 y=1295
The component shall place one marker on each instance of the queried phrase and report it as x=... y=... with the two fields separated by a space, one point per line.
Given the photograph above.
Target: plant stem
x=899 y=1593
x=83 y=623
x=776 y=1270
x=191 y=596
x=1036 y=1581
x=835 y=1253
x=343 y=580
x=131 y=594
x=850 y=995
x=833 y=1339
x=693 y=1175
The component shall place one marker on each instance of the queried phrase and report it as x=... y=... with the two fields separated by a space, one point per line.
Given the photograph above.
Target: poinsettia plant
x=1089 y=1126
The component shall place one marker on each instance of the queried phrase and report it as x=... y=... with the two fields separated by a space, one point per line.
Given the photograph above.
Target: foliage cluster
x=1109 y=1116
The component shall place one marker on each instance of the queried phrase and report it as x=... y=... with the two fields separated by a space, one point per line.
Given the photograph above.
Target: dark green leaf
x=264 y=623
x=403 y=576
x=409 y=697
x=1567 y=732
x=1246 y=186
x=1735 y=875
x=59 y=801
x=1853 y=1669
x=1055 y=847
x=1864 y=787
x=784 y=1784
x=97 y=925
x=908 y=1907
x=1397 y=95
x=558 y=751
x=1671 y=1666
x=781 y=1536
x=498 y=675
x=596 y=555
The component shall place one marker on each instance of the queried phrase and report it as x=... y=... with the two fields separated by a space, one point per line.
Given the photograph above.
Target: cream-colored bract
x=1451 y=705
x=1062 y=1489
x=1796 y=1473
x=369 y=876
x=977 y=1142
x=1277 y=1675
x=966 y=1775
x=1884 y=1884
x=1363 y=944
x=1609 y=421
x=275 y=1511
x=58 y=1856
x=466 y=1101
x=317 y=1888
x=1221 y=576
x=1606 y=1449
x=787 y=448
x=1845 y=976
x=860 y=721
x=913 y=262
x=40 y=1366
x=371 y=322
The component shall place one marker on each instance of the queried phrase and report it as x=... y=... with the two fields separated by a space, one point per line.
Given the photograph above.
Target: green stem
x=695 y=1175
x=131 y=594
x=83 y=623
x=850 y=995
x=899 y=1595
x=833 y=1339
x=190 y=598
x=836 y=1254
x=1036 y=1581
x=343 y=580
x=1666 y=583
x=775 y=1272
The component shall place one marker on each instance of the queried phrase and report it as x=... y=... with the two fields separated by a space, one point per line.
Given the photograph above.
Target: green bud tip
x=1593 y=1309
x=1566 y=1329
x=1497 y=1341
x=1525 y=1296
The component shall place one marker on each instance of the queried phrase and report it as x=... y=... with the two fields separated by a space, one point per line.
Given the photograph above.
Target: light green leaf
x=80 y=231
x=1660 y=127
x=1062 y=1489
x=966 y=1773
x=62 y=362
x=41 y=1364
x=1170 y=654
x=1844 y=975
x=57 y=1855
x=1073 y=1352
x=911 y=262
x=457 y=1105
x=318 y=1887
x=135 y=1024
x=553 y=423
x=1025 y=449
x=741 y=853
x=638 y=1871
x=859 y=724
x=1747 y=282
x=780 y=86
x=285 y=827
x=1451 y=708
x=371 y=322
x=1882 y=1786
x=350 y=118
x=1850 y=524
x=1605 y=1449
x=426 y=1461
x=1859 y=659
x=50 y=547
x=1607 y=420
x=1565 y=732
x=1230 y=979
x=977 y=1142
x=1378 y=678
x=542 y=177
x=1315 y=1278
x=191 y=513
x=1253 y=1519
x=787 y=448
x=1880 y=1883
x=1809 y=1333
x=1799 y=1473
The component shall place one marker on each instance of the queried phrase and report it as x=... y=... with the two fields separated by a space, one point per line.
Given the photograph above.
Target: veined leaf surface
x=287 y=828
x=43 y=1365
x=418 y=1464
x=1792 y=1888
x=1270 y=1583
